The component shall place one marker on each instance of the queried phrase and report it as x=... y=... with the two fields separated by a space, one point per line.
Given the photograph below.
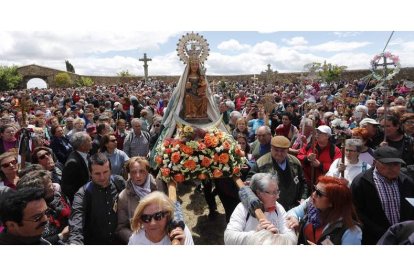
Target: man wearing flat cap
x=380 y=193
x=288 y=169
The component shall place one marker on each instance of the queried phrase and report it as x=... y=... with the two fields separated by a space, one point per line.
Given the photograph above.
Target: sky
x=106 y=43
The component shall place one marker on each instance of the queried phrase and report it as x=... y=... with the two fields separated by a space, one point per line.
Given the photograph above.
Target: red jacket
x=326 y=156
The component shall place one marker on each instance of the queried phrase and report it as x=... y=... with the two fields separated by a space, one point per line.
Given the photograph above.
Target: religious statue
x=195 y=103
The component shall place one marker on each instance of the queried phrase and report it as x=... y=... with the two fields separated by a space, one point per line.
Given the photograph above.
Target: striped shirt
x=389 y=195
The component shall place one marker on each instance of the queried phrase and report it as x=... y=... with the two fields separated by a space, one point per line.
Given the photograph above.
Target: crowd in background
x=337 y=158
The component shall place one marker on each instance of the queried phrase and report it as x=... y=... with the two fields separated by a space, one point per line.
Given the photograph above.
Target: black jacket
x=94 y=213
x=61 y=148
x=369 y=208
x=75 y=174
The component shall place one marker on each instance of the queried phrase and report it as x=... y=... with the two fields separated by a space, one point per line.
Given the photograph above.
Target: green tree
x=331 y=72
x=63 y=80
x=69 y=67
x=125 y=74
x=9 y=77
x=85 y=81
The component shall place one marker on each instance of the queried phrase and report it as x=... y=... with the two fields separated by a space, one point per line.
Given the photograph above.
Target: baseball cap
x=325 y=129
x=387 y=154
x=280 y=142
x=368 y=121
x=91 y=128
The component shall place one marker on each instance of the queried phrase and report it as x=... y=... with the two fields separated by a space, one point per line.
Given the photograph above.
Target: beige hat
x=280 y=142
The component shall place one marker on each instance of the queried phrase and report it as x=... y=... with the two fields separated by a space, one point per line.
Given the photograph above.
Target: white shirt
x=351 y=170
x=239 y=229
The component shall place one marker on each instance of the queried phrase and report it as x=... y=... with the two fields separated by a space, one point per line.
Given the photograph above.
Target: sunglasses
x=43 y=156
x=38 y=217
x=157 y=125
x=112 y=140
x=8 y=164
x=157 y=216
x=319 y=193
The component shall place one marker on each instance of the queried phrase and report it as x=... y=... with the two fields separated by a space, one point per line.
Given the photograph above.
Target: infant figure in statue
x=195 y=104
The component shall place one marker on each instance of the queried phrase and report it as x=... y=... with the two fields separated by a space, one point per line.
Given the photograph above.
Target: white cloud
x=232 y=45
x=339 y=46
x=346 y=34
x=296 y=41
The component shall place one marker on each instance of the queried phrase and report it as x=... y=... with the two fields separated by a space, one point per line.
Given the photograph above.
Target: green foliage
x=63 y=80
x=331 y=72
x=9 y=78
x=125 y=74
x=85 y=81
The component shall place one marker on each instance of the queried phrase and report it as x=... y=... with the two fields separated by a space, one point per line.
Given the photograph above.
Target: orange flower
x=158 y=160
x=202 y=176
x=179 y=178
x=216 y=158
x=224 y=158
x=217 y=173
x=226 y=145
x=236 y=170
x=201 y=146
x=214 y=142
x=206 y=162
x=175 y=157
x=168 y=151
x=190 y=164
x=208 y=141
x=186 y=149
x=175 y=142
x=166 y=143
x=165 y=171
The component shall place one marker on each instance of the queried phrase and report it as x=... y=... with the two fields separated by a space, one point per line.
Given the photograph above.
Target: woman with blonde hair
x=150 y=224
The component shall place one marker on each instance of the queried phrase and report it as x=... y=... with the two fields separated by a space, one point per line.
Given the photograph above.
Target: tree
x=63 y=80
x=84 y=81
x=331 y=72
x=9 y=77
x=69 y=67
x=125 y=74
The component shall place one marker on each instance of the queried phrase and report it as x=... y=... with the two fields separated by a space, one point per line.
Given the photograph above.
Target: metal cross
x=384 y=65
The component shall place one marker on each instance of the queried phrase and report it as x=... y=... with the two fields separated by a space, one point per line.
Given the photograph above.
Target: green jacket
x=266 y=164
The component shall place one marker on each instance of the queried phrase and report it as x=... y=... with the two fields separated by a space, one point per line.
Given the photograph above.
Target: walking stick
x=343 y=156
x=172 y=194
x=240 y=184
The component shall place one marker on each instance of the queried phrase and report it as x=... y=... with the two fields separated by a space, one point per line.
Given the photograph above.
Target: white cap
x=325 y=129
x=368 y=121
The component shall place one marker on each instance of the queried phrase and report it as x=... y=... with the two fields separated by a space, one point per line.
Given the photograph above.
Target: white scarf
x=143 y=190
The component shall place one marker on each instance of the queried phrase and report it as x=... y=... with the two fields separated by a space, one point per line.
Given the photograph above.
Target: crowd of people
x=327 y=164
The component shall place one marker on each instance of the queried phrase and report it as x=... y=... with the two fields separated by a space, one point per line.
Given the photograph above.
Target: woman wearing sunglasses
x=242 y=225
x=116 y=156
x=328 y=216
x=151 y=220
x=8 y=170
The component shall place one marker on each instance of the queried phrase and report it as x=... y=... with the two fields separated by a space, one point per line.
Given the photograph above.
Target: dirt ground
x=205 y=231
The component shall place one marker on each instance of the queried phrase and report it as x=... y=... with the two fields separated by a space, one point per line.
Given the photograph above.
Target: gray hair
x=267 y=129
x=230 y=104
x=261 y=181
x=235 y=114
x=136 y=120
x=362 y=108
x=354 y=143
x=78 y=139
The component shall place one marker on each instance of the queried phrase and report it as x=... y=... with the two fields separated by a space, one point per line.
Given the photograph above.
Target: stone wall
x=48 y=75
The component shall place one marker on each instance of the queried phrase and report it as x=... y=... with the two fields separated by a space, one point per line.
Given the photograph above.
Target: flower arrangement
x=199 y=154
x=395 y=60
x=340 y=129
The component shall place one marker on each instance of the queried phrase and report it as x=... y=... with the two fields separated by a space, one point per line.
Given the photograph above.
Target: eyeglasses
x=157 y=125
x=319 y=193
x=43 y=156
x=38 y=217
x=275 y=193
x=8 y=164
x=157 y=216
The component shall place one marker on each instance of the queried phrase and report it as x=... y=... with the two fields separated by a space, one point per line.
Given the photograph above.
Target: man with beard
x=24 y=215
